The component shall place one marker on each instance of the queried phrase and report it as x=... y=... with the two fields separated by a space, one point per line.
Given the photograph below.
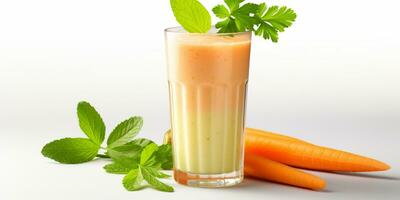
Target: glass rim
x=178 y=29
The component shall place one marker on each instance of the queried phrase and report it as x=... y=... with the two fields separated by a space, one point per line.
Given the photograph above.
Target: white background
x=332 y=79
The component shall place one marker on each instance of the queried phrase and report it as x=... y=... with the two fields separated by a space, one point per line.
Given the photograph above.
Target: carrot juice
x=207 y=76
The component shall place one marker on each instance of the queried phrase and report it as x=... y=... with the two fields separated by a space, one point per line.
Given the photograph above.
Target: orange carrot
x=305 y=155
x=262 y=168
x=299 y=153
x=273 y=135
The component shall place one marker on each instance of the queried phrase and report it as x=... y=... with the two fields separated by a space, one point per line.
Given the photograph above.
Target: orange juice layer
x=207 y=82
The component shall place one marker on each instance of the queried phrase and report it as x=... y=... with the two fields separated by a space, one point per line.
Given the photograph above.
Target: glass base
x=208 y=180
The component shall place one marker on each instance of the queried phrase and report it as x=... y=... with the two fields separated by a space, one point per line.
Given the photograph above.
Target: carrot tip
x=321 y=186
x=384 y=166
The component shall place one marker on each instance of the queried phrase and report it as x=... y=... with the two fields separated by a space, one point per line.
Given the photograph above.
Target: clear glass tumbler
x=207 y=76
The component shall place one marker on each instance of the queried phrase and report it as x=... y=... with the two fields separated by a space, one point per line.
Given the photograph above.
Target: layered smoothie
x=207 y=76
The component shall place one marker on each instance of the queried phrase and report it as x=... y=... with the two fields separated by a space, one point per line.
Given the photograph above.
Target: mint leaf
x=130 y=154
x=124 y=132
x=154 y=182
x=71 y=150
x=192 y=15
x=129 y=149
x=164 y=156
x=127 y=155
x=133 y=180
x=115 y=168
x=147 y=155
x=143 y=142
x=157 y=173
x=132 y=148
x=91 y=123
x=273 y=20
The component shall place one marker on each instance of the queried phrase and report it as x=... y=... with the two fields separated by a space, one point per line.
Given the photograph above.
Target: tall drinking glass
x=207 y=76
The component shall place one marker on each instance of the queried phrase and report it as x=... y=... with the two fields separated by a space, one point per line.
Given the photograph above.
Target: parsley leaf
x=233 y=4
x=71 y=150
x=244 y=16
x=220 y=11
x=227 y=26
x=273 y=20
x=237 y=19
x=91 y=122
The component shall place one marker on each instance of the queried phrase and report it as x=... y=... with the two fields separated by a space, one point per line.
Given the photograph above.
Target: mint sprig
x=140 y=159
x=146 y=168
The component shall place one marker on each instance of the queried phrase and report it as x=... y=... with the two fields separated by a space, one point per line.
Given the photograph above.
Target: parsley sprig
x=264 y=21
x=139 y=159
